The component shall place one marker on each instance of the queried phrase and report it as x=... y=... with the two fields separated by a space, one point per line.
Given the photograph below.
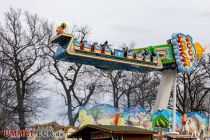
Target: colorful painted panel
x=196 y=124
x=185 y=52
x=136 y=116
x=208 y=126
x=166 y=53
x=102 y=114
x=163 y=119
x=118 y=53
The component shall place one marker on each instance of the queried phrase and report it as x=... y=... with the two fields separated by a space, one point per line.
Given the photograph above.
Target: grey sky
x=147 y=22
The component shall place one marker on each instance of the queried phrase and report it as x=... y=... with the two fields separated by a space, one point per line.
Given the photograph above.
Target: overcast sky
x=147 y=22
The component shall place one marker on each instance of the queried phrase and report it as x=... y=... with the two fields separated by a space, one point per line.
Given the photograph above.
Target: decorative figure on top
x=82 y=45
x=152 y=51
x=97 y=48
x=144 y=53
x=60 y=29
x=103 y=46
x=125 y=51
x=199 y=50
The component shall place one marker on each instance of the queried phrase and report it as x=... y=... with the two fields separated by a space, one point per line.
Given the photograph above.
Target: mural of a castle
x=104 y=114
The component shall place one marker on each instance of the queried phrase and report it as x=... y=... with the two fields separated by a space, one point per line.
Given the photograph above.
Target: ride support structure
x=180 y=54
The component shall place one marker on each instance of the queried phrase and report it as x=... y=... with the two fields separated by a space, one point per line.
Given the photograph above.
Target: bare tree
x=143 y=89
x=22 y=37
x=192 y=93
x=131 y=88
x=7 y=99
x=114 y=84
x=77 y=88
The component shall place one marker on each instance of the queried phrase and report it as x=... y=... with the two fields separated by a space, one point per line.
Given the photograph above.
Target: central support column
x=165 y=88
x=174 y=106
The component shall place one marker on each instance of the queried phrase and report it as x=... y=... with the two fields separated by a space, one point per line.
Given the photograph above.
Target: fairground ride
x=179 y=54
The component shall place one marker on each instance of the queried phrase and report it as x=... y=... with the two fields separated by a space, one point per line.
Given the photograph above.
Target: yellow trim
x=76 y=48
x=155 y=61
x=87 y=49
x=68 y=35
x=147 y=60
x=130 y=57
x=160 y=66
x=55 y=37
x=107 y=53
x=69 y=47
x=97 y=51
x=139 y=58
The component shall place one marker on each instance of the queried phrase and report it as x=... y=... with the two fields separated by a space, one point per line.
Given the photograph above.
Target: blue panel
x=87 y=46
x=119 y=53
x=147 y=56
x=155 y=57
x=139 y=54
x=76 y=43
x=60 y=54
x=96 y=46
x=65 y=45
x=130 y=52
x=107 y=49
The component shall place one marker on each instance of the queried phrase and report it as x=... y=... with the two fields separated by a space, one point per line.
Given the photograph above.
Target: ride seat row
x=141 y=55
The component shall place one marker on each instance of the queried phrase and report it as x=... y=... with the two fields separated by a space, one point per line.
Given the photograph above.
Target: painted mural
x=136 y=116
x=99 y=115
x=104 y=114
x=208 y=126
x=196 y=124
x=163 y=119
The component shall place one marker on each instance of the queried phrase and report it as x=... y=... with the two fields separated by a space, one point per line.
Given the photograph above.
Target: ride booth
x=111 y=132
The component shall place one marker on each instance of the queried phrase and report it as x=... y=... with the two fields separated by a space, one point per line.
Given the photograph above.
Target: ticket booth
x=110 y=132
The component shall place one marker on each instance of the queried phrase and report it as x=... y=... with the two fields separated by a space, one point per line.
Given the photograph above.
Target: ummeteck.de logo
x=28 y=133
x=16 y=133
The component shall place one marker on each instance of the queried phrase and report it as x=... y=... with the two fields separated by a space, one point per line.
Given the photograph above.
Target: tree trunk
x=20 y=99
x=70 y=115
x=21 y=111
x=128 y=98
x=21 y=114
x=116 y=100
